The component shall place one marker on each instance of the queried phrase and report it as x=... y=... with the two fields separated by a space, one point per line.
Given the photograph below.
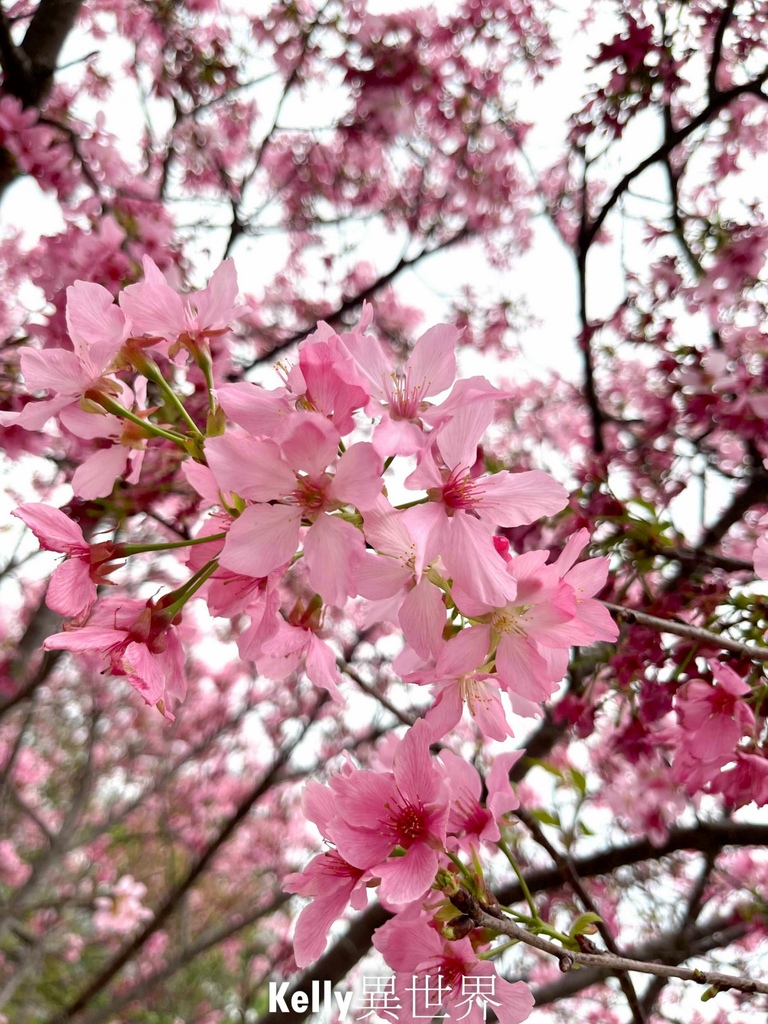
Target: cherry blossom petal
x=54 y=370
x=153 y=306
x=96 y=477
x=516 y=499
x=89 y=638
x=54 y=530
x=71 y=590
x=432 y=364
x=311 y=443
x=333 y=548
x=321 y=667
x=97 y=326
x=457 y=439
x=261 y=539
x=260 y=412
x=422 y=617
x=522 y=669
x=358 y=477
x=472 y=560
x=378 y=577
x=407 y=878
x=144 y=672
x=253 y=469
x=215 y=305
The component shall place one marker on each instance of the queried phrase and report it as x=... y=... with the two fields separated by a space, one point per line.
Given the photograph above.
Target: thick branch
x=571 y=877
x=716 y=104
x=347 y=951
x=717 y=48
x=404 y=263
x=567 y=958
x=703 y=636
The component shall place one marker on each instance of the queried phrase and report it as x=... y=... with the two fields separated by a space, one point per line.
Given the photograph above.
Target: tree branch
x=703 y=636
x=567 y=958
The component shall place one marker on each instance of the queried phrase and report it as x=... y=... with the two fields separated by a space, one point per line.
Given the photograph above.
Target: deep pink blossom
x=406 y=808
x=465 y=506
x=432 y=972
x=714 y=718
x=138 y=641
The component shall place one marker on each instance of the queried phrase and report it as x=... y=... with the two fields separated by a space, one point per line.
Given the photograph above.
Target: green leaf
x=583 y=925
x=546 y=817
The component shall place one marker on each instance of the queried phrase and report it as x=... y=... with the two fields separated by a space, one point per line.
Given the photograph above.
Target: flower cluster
x=294 y=522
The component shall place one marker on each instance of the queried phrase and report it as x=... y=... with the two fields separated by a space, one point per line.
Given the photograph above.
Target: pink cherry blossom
x=432 y=972
x=138 y=641
x=395 y=583
x=122 y=911
x=761 y=552
x=458 y=681
x=399 y=393
x=157 y=311
x=290 y=484
x=714 y=718
x=98 y=329
x=328 y=880
x=72 y=587
x=465 y=507
x=407 y=807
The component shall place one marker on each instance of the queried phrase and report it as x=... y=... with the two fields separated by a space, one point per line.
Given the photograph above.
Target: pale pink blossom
x=98 y=329
x=399 y=393
x=328 y=880
x=761 y=552
x=458 y=681
x=393 y=580
x=157 y=311
x=72 y=587
x=122 y=911
x=289 y=484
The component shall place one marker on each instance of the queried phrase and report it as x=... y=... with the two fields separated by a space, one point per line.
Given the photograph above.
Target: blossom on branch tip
x=72 y=587
x=158 y=312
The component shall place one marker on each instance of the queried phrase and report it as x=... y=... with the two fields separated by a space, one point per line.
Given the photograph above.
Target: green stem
x=497 y=950
x=109 y=405
x=152 y=371
x=190 y=587
x=466 y=874
x=523 y=884
x=410 y=504
x=208 y=374
x=137 y=549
